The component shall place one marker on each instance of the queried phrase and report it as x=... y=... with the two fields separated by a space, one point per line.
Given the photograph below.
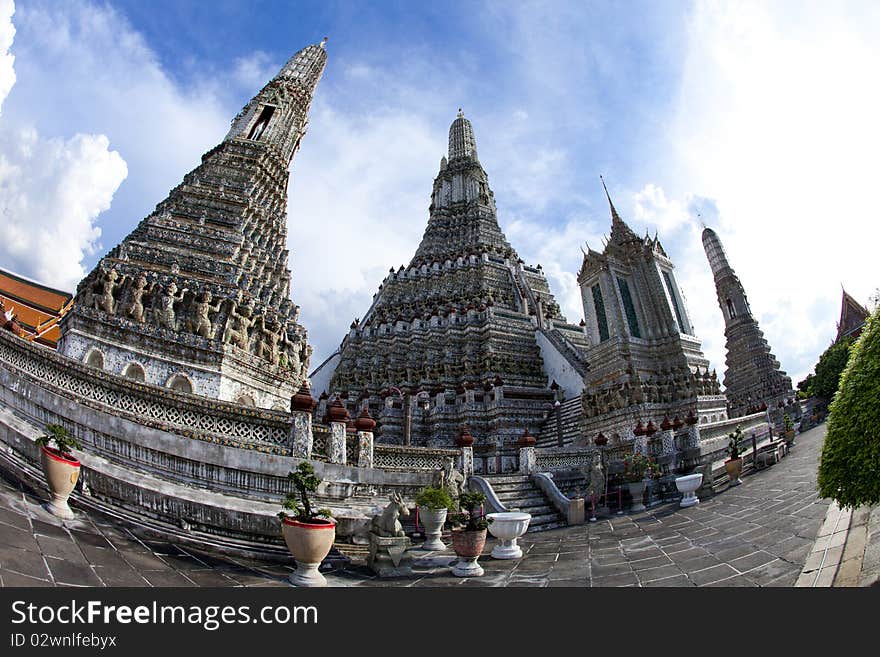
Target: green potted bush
x=469 y=538
x=60 y=467
x=432 y=505
x=788 y=429
x=734 y=463
x=308 y=532
x=638 y=467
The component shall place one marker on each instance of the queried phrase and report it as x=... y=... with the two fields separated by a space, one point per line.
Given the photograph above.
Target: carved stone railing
x=411 y=459
x=564 y=458
x=711 y=433
x=571 y=509
x=161 y=408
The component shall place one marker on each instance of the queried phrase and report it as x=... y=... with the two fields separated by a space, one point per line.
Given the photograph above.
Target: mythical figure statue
x=104 y=300
x=199 y=320
x=268 y=335
x=451 y=479
x=387 y=523
x=163 y=306
x=305 y=355
x=240 y=321
x=135 y=308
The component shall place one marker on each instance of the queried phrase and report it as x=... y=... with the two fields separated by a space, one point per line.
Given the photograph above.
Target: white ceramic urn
x=507 y=527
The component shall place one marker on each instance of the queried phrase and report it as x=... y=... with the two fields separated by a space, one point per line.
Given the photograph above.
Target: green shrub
x=61 y=437
x=471 y=514
x=849 y=469
x=829 y=368
x=434 y=499
x=304 y=481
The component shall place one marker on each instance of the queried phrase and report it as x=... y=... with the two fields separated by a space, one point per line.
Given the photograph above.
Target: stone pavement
x=758 y=534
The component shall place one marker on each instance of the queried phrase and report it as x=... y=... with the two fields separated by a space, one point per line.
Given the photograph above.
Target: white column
x=365 y=449
x=336 y=449
x=301 y=437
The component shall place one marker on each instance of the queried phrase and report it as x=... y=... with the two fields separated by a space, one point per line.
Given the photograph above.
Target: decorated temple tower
x=196 y=298
x=451 y=338
x=646 y=364
x=753 y=377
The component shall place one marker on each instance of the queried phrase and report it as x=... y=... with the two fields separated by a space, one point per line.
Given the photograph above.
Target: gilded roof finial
x=460 y=113
x=324 y=42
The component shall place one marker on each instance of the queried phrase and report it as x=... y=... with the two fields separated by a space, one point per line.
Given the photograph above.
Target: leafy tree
x=829 y=368
x=849 y=470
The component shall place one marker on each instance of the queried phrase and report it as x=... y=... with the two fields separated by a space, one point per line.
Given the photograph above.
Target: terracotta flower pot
x=309 y=543
x=734 y=470
x=62 y=472
x=468 y=545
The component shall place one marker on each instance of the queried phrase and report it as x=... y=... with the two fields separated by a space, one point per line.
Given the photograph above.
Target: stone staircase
x=517 y=492
x=571 y=419
x=565 y=347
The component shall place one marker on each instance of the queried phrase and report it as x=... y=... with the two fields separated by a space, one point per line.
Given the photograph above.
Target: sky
x=757 y=118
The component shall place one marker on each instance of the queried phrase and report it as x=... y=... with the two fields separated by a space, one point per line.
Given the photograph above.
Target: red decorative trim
x=329 y=523
x=55 y=455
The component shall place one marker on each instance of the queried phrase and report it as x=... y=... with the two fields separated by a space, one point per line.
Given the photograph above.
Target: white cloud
x=777 y=124
x=51 y=190
x=7 y=60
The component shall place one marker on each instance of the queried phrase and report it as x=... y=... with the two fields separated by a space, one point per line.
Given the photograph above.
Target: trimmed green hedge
x=849 y=470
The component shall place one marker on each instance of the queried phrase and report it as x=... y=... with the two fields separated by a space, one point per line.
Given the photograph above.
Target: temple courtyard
x=773 y=530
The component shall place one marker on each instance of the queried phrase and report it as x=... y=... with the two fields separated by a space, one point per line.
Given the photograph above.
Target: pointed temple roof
x=209 y=267
x=37 y=307
x=621 y=233
x=462 y=313
x=852 y=317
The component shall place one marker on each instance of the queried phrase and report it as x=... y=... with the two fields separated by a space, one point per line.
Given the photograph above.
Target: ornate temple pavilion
x=32 y=309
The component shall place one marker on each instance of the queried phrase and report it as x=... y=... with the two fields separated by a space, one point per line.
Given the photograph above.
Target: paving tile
x=660 y=572
x=61 y=549
x=24 y=562
x=713 y=574
x=77 y=574
x=10 y=578
x=14 y=537
x=621 y=579
x=167 y=578
x=748 y=562
x=676 y=581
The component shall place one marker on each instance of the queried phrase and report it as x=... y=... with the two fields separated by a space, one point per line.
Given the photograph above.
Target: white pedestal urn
x=433 y=522
x=309 y=543
x=62 y=471
x=468 y=545
x=507 y=527
x=637 y=490
x=687 y=485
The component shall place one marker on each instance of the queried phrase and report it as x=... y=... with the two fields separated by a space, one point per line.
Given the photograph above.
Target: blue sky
x=755 y=115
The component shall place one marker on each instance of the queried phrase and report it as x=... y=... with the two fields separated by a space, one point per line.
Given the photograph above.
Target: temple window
x=134 y=372
x=601 y=320
x=629 y=308
x=731 y=310
x=95 y=359
x=262 y=123
x=673 y=296
x=180 y=383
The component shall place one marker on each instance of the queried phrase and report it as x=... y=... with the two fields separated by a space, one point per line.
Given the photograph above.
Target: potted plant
x=636 y=468
x=60 y=466
x=309 y=533
x=433 y=504
x=469 y=539
x=788 y=433
x=733 y=465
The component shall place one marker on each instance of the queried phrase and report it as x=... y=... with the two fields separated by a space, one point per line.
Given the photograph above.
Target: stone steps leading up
x=517 y=492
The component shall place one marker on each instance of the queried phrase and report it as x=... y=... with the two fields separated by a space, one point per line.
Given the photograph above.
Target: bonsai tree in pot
x=733 y=464
x=60 y=466
x=469 y=539
x=433 y=505
x=788 y=426
x=308 y=532
x=636 y=468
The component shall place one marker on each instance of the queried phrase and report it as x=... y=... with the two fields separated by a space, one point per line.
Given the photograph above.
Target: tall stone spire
x=197 y=296
x=753 y=374
x=458 y=324
x=621 y=233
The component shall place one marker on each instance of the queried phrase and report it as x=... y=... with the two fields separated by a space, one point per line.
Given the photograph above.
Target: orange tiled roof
x=34 y=305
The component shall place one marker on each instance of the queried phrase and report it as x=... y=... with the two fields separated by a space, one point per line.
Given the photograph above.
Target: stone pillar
x=467 y=461
x=365 y=425
x=301 y=437
x=527 y=463
x=338 y=417
x=527 y=460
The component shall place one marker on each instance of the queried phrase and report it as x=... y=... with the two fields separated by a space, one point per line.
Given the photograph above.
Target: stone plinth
x=365 y=449
x=336 y=451
x=389 y=556
x=301 y=437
